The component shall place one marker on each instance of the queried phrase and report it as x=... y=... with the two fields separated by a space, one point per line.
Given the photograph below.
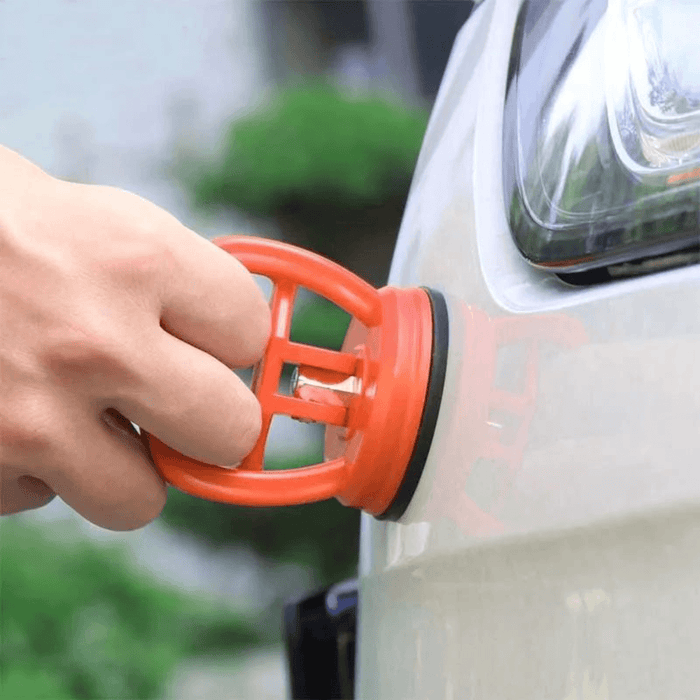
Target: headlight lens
x=653 y=83
x=602 y=131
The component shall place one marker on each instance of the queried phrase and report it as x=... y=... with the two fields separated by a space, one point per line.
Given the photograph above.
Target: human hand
x=112 y=311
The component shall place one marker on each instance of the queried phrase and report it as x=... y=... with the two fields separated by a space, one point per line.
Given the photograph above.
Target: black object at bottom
x=436 y=382
x=319 y=633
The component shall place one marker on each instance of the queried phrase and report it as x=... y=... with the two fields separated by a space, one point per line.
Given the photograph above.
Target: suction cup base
x=436 y=383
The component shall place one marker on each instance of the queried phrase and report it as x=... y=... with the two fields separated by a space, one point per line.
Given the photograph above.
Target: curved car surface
x=552 y=549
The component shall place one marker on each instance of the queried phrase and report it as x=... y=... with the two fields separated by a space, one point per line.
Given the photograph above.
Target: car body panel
x=551 y=549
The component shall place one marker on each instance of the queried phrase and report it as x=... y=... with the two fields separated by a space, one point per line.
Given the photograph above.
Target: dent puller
x=379 y=395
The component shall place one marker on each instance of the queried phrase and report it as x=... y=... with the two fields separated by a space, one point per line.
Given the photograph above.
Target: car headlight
x=601 y=155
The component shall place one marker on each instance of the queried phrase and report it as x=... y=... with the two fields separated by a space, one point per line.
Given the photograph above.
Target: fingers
x=213 y=303
x=215 y=318
x=104 y=473
x=193 y=403
x=131 y=310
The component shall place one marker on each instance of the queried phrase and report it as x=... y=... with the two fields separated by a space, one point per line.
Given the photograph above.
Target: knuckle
x=137 y=263
x=85 y=353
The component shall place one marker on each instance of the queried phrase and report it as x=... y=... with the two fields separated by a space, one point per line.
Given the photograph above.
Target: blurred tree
x=333 y=168
x=78 y=623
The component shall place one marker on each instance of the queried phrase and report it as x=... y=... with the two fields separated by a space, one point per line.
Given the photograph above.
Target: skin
x=113 y=312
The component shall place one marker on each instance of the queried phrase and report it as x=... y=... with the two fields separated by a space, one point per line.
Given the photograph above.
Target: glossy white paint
x=552 y=549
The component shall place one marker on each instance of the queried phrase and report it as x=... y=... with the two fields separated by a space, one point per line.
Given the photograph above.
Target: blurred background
x=294 y=119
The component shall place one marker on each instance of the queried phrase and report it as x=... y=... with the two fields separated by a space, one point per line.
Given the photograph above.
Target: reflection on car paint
x=597 y=613
x=458 y=492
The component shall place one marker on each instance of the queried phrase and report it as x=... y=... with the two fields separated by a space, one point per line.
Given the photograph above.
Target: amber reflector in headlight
x=601 y=154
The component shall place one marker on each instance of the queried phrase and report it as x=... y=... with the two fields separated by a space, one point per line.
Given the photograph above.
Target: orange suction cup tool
x=378 y=396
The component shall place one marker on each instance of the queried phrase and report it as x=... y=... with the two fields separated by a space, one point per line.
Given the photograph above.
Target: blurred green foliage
x=78 y=622
x=313 y=144
x=320 y=323
x=323 y=536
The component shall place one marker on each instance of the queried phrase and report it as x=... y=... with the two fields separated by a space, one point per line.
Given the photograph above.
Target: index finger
x=212 y=302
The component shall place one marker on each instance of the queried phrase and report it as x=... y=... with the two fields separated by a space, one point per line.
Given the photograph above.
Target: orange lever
x=371 y=394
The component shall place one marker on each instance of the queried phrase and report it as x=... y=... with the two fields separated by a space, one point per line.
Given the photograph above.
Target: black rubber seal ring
x=433 y=398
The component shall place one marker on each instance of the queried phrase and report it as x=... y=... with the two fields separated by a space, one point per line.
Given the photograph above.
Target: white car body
x=552 y=549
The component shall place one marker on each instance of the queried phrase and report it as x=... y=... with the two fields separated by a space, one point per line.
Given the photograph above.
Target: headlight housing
x=602 y=131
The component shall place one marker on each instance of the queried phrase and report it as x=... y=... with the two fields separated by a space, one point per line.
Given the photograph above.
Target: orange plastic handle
x=288 y=268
